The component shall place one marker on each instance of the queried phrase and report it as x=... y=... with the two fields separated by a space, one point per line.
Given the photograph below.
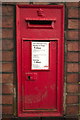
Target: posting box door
x=40 y=60
x=39 y=75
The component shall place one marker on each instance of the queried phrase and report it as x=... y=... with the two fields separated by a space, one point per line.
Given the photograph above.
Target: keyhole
x=28 y=77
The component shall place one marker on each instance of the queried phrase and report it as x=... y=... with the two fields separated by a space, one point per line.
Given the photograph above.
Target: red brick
x=23 y=3
x=72 y=46
x=72 y=67
x=7 y=99
x=7 y=109
x=72 y=35
x=0 y=55
x=79 y=44
x=0 y=34
x=41 y=3
x=7 y=45
x=7 y=21
x=0 y=21
x=7 y=10
x=79 y=108
x=7 y=117
x=7 y=33
x=7 y=89
x=71 y=88
x=0 y=67
x=0 y=49
x=7 y=67
x=79 y=67
x=73 y=24
x=9 y=3
x=79 y=77
x=1 y=109
x=73 y=13
x=79 y=22
x=79 y=88
x=72 y=78
x=79 y=57
x=72 y=99
x=72 y=110
x=7 y=78
x=14 y=3
x=7 y=56
x=0 y=78
x=72 y=57
x=0 y=99
x=0 y=89
x=70 y=4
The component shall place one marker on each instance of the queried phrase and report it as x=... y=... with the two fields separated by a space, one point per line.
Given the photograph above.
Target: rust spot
x=36 y=98
x=29 y=99
x=53 y=86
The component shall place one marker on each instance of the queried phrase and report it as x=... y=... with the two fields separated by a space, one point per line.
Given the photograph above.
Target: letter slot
x=40 y=23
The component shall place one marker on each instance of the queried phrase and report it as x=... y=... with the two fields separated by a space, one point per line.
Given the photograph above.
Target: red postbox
x=40 y=59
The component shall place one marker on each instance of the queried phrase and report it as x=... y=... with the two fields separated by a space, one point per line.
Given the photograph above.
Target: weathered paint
x=42 y=96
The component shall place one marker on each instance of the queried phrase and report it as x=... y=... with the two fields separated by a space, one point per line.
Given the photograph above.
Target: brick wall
x=8 y=59
x=72 y=59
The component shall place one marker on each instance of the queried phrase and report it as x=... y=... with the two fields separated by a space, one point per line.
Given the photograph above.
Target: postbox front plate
x=40 y=87
x=40 y=60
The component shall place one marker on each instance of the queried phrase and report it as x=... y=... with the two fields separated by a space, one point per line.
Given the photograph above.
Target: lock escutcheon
x=31 y=76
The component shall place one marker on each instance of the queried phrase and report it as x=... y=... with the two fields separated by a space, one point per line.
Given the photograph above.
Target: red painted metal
x=40 y=92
